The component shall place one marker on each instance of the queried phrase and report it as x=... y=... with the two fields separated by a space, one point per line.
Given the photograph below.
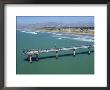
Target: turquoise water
x=82 y=63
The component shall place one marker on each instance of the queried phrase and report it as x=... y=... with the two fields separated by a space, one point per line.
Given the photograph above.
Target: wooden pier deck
x=37 y=52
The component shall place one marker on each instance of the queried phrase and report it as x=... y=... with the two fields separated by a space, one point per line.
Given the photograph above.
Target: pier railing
x=32 y=52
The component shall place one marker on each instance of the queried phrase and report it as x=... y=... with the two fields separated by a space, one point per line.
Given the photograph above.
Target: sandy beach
x=72 y=32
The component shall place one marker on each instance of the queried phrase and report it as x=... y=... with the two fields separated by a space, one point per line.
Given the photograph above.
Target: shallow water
x=82 y=63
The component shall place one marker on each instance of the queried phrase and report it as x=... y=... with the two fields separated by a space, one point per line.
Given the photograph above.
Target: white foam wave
x=59 y=34
x=23 y=31
x=33 y=32
x=59 y=38
x=30 y=32
x=84 y=39
x=53 y=33
x=88 y=39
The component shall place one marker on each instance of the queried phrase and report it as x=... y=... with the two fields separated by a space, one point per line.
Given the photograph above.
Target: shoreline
x=65 y=33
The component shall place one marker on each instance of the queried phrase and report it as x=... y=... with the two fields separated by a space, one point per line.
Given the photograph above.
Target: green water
x=82 y=63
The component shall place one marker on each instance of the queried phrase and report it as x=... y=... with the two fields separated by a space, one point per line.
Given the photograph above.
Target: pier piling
x=74 y=52
x=30 y=59
x=37 y=58
x=56 y=54
x=89 y=50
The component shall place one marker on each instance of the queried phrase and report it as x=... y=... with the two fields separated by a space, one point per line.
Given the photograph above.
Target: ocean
x=82 y=63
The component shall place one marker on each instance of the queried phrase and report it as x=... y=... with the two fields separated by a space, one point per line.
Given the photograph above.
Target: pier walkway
x=32 y=52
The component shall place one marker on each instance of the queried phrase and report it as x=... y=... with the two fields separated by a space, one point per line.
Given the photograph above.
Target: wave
x=53 y=33
x=78 y=38
x=59 y=38
x=23 y=31
x=33 y=32
x=30 y=32
x=84 y=39
x=59 y=34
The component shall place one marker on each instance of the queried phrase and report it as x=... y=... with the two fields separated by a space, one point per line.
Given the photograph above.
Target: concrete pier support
x=89 y=50
x=30 y=59
x=74 y=52
x=37 y=58
x=56 y=54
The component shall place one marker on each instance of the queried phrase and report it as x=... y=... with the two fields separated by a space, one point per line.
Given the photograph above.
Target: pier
x=32 y=52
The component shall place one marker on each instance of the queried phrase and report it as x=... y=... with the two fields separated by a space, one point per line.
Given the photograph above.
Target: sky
x=57 y=19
